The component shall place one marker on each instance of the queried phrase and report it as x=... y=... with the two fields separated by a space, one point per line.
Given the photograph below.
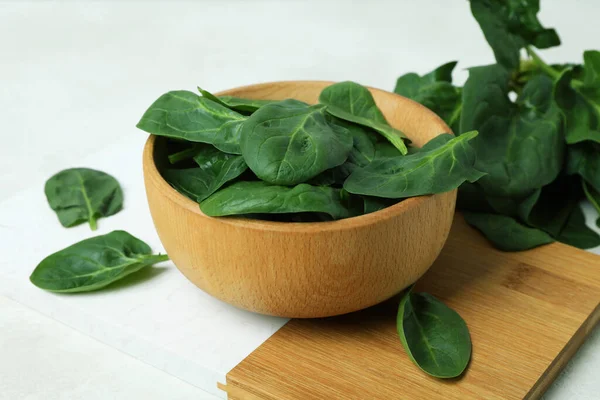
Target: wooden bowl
x=306 y=270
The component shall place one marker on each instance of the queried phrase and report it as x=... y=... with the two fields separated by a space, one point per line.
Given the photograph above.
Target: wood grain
x=305 y=269
x=527 y=313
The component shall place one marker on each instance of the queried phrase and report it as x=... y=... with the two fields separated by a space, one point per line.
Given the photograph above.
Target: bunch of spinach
x=291 y=161
x=540 y=152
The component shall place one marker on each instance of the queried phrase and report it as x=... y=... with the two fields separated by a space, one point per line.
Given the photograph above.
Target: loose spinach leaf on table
x=506 y=233
x=288 y=142
x=185 y=115
x=214 y=170
x=244 y=106
x=435 y=91
x=83 y=195
x=354 y=103
x=520 y=145
x=94 y=263
x=435 y=337
x=262 y=197
x=439 y=167
x=511 y=25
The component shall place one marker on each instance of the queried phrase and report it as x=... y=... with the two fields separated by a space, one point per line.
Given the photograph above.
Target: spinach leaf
x=510 y=25
x=550 y=207
x=262 y=197
x=93 y=263
x=214 y=170
x=593 y=197
x=288 y=142
x=435 y=337
x=576 y=233
x=372 y=204
x=506 y=233
x=434 y=169
x=520 y=146
x=581 y=108
x=184 y=155
x=435 y=91
x=83 y=195
x=244 y=106
x=583 y=159
x=354 y=103
x=185 y=115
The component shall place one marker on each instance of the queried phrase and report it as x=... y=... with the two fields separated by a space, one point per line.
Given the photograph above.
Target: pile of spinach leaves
x=540 y=152
x=290 y=161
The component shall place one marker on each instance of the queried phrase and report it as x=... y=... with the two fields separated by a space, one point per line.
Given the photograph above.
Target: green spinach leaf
x=435 y=337
x=94 y=263
x=262 y=197
x=354 y=103
x=593 y=197
x=576 y=233
x=511 y=25
x=506 y=233
x=288 y=142
x=581 y=108
x=80 y=195
x=583 y=159
x=214 y=170
x=437 y=168
x=185 y=115
x=520 y=146
x=244 y=106
x=435 y=91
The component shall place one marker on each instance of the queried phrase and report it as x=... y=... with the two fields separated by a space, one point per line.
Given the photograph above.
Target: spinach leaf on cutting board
x=435 y=91
x=80 y=195
x=511 y=25
x=94 y=263
x=434 y=336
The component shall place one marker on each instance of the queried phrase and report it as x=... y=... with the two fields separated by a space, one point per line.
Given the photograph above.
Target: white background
x=75 y=78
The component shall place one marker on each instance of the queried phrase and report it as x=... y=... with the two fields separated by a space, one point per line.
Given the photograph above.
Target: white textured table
x=76 y=77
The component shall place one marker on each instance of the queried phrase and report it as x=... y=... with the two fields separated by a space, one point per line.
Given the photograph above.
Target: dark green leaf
x=581 y=109
x=246 y=106
x=288 y=142
x=435 y=91
x=435 y=337
x=505 y=233
x=472 y=198
x=593 y=197
x=434 y=169
x=576 y=232
x=591 y=61
x=520 y=146
x=354 y=103
x=214 y=170
x=262 y=197
x=550 y=207
x=511 y=25
x=372 y=204
x=185 y=115
x=83 y=195
x=584 y=159
x=93 y=263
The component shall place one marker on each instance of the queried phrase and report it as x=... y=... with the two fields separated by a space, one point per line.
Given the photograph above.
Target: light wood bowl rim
x=297 y=227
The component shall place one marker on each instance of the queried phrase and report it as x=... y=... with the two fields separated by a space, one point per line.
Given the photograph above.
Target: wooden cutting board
x=527 y=312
